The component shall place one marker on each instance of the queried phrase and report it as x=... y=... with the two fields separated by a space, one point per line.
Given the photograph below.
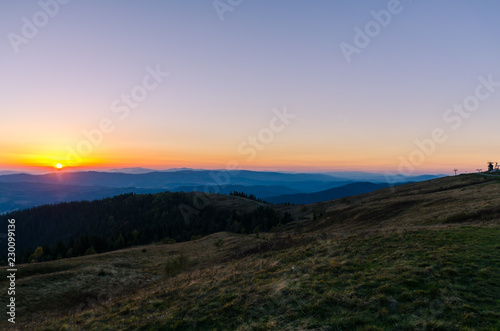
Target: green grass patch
x=436 y=279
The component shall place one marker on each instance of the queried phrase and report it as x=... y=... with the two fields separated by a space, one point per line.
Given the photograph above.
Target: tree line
x=77 y=228
x=253 y=197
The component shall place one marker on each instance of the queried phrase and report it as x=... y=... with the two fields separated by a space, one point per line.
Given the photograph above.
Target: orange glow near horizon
x=297 y=166
x=277 y=157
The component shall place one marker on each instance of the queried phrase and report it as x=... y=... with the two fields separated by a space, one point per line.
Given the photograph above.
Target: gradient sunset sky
x=65 y=68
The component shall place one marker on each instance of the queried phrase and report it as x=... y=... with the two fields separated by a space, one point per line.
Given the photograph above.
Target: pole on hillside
x=455 y=171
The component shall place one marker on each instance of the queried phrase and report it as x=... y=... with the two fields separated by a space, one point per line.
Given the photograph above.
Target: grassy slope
x=457 y=199
x=345 y=271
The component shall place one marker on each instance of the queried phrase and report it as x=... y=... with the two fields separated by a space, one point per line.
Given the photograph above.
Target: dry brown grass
x=49 y=290
x=274 y=287
x=427 y=203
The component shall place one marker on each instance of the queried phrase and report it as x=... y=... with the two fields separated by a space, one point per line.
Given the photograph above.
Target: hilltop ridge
x=417 y=256
x=454 y=199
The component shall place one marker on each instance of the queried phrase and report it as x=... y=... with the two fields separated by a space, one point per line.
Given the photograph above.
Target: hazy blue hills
x=176 y=178
x=360 y=176
x=136 y=170
x=331 y=194
x=21 y=195
x=21 y=190
x=8 y=172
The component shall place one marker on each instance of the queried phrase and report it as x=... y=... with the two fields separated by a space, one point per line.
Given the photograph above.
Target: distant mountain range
x=172 y=179
x=8 y=172
x=331 y=194
x=381 y=178
x=21 y=190
x=22 y=195
x=139 y=170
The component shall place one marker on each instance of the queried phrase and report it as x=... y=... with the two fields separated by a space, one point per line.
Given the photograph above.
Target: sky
x=404 y=86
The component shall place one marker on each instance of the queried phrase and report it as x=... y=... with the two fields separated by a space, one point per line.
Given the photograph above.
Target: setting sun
x=59 y=166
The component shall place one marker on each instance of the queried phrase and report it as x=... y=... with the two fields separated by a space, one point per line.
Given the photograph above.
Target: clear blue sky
x=226 y=77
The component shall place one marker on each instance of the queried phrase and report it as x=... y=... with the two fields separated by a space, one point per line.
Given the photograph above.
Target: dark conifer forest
x=78 y=228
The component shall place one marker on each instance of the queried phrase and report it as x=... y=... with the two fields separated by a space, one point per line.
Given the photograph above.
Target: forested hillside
x=79 y=228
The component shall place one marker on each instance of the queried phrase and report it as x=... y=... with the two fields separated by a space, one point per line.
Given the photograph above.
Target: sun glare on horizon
x=59 y=166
